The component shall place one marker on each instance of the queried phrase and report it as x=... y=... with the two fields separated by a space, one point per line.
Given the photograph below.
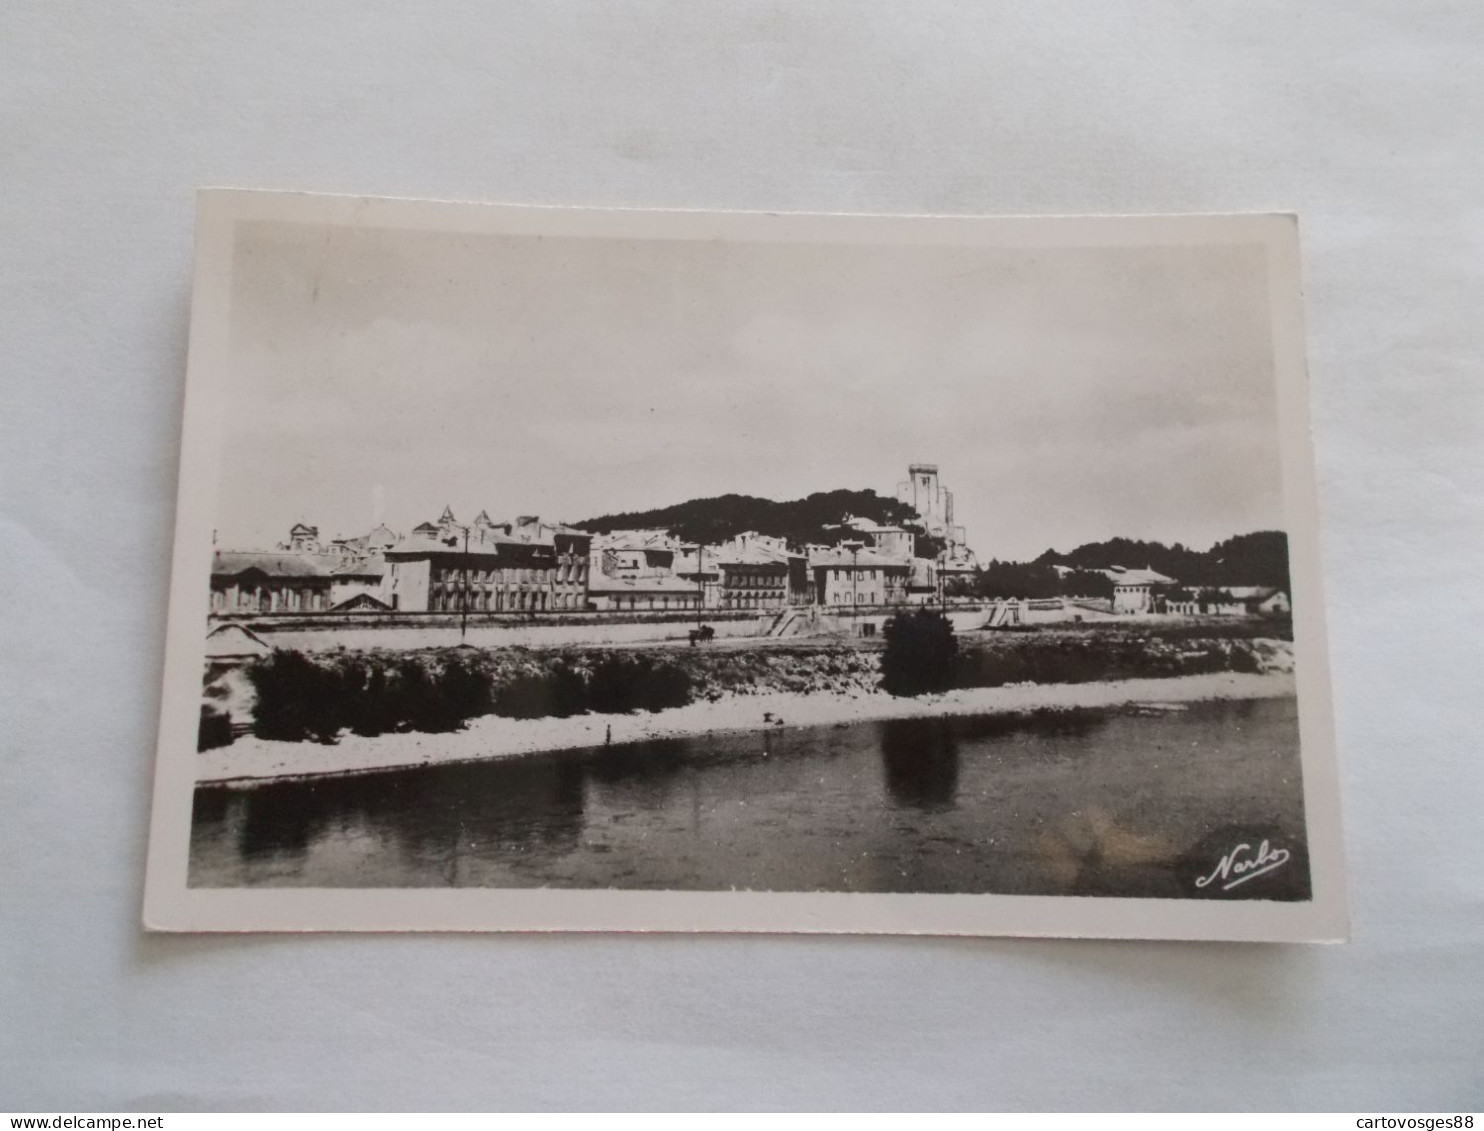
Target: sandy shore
x=250 y=760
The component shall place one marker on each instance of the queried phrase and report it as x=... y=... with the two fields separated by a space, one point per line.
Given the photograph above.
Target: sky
x=1068 y=395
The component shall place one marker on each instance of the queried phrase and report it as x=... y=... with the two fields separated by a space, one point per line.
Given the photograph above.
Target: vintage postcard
x=561 y=569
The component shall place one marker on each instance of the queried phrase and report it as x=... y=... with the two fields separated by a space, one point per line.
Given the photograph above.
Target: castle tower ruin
x=933 y=502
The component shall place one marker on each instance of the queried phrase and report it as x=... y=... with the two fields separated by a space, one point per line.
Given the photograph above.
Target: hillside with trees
x=815 y=518
x=1259 y=558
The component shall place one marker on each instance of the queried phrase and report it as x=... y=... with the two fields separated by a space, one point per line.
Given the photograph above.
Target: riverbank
x=252 y=760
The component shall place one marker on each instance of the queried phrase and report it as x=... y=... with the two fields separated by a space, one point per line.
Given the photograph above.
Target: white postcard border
x=171 y=905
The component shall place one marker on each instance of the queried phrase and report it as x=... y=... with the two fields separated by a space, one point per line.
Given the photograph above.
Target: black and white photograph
x=558 y=569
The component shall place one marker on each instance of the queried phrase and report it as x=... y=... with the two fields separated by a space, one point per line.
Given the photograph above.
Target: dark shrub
x=559 y=691
x=465 y=693
x=1089 y=657
x=1277 y=625
x=297 y=699
x=439 y=699
x=1244 y=659
x=620 y=684
x=374 y=703
x=663 y=687
x=610 y=688
x=920 y=653
x=216 y=730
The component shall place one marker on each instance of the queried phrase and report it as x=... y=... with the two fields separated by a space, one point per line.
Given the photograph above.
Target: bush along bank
x=921 y=653
x=1101 y=656
x=318 y=696
x=315 y=697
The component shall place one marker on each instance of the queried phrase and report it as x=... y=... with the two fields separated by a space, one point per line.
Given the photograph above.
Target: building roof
x=232 y=640
x=864 y=559
x=534 y=530
x=633 y=540
x=273 y=563
x=481 y=555
x=373 y=566
x=685 y=561
x=950 y=564
x=1249 y=592
x=382 y=537
x=922 y=574
x=1122 y=576
x=361 y=601
x=871 y=526
x=753 y=556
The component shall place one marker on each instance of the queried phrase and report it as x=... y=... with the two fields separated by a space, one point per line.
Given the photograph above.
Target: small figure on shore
x=608 y=737
x=767 y=716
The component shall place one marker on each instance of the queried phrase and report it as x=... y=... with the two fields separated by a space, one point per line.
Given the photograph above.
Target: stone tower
x=932 y=501
x=922 y=492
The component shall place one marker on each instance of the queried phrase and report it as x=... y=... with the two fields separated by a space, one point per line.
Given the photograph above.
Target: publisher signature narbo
x=1245 y=863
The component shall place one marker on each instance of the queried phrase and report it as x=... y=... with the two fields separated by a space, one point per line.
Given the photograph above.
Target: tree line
x=1259 y=558
x=816 y=518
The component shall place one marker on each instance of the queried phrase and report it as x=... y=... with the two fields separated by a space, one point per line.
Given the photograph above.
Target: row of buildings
x=530 y=566
x=1144 y=591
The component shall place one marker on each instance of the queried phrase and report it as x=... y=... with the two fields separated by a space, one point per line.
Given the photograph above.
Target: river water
x=1107 y=803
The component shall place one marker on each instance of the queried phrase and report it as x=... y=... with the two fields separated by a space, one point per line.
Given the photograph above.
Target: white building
x=859 y=578
x=1134 y=589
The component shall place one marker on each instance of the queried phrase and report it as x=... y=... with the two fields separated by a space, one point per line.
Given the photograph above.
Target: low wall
x=405 y=634
x=278 y=622
x=317 y=633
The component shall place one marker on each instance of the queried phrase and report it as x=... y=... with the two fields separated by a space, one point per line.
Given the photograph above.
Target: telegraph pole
x=855 y=573
x=700 y=583
x=464 y=598
x=855 y=549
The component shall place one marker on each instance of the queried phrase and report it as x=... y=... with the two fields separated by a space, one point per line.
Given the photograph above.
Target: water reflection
x=422 y=818
x=1286 y=880
x=1083 y=803
x=1093 y=853
x=920 y=762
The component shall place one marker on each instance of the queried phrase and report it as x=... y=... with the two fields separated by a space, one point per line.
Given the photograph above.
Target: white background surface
x=1365 y=118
